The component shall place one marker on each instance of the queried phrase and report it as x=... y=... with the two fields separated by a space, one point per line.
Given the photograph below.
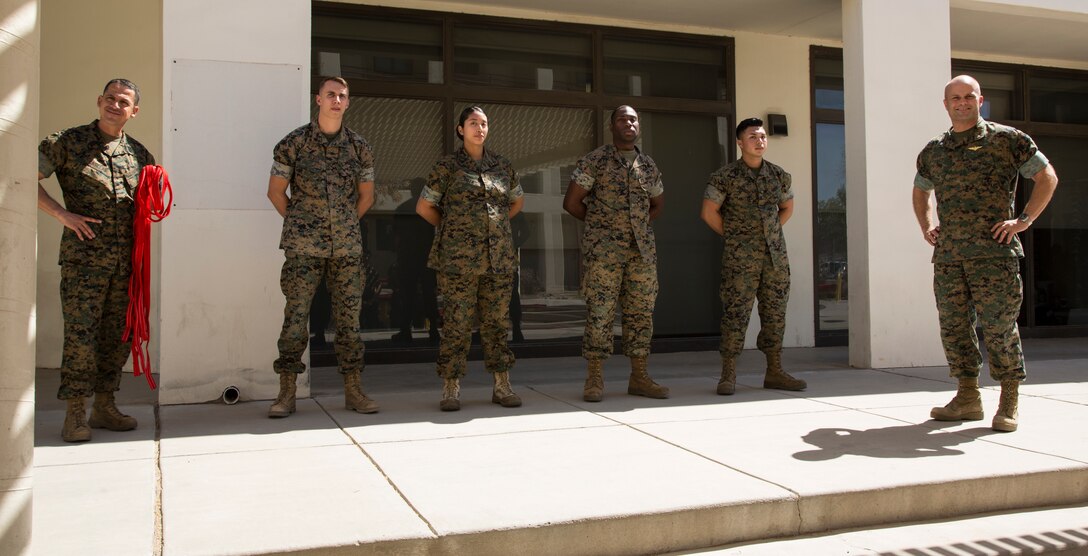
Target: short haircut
x=747 y=123
x=124 y=83
x=335 y=79
x=612 y=118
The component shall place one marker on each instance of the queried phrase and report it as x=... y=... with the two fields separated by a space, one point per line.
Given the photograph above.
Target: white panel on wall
x=226 y=117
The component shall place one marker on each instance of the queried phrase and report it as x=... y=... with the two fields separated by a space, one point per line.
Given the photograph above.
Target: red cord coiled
x=153 y=199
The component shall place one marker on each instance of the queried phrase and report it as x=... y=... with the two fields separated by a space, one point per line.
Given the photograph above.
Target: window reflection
x=371 y=49
x=638 y=68
x=406 y=136
x=543 y=143
x=1060 y=100
x=523 y=59
x=1059 y=238
x=831 y=268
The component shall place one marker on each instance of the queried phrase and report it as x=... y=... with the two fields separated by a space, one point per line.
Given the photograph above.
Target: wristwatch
x=1024 y=218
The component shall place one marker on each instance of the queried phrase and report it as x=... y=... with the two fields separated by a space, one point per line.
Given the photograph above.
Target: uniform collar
x=466 y=161
x=124 y=146
x=615 y=152
x=317 y=135
x=981 y=130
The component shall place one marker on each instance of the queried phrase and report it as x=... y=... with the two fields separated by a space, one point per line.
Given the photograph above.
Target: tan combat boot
x=105 y=415
x=451 y=390
x=503 y=394
x=354 y=398
x=640 y=383
x=966 y=406
x=75 y=422
x=594 y=388
x=778 y=379
x=285 y=401
x=727 y=385
x=1007 y=410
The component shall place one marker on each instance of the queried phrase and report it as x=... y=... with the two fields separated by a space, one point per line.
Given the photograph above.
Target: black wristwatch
x=1024 y=218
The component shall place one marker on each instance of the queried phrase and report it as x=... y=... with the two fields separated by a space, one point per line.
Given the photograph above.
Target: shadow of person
x=906 y=441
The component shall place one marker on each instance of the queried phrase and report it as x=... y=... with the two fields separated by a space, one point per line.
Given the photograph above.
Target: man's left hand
x=1005 y=231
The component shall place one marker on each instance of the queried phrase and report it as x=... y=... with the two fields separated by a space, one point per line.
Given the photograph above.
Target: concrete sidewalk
x=560 y=476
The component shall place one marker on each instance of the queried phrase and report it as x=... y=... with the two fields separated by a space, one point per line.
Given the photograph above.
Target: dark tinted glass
x=828 y=80
x=1060 y=238
x=1060 y=100
x=357 y=48
x=522 y=59
x=656 y=69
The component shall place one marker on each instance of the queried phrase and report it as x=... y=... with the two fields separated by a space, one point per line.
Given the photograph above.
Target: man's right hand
x=79 y=224
x=931 y=234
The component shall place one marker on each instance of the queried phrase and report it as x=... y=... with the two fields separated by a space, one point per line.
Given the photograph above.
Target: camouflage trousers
x=749 y=274
x=624 y=278
x=94 y=300
x=464 y=297
x=299 y=279
x=986 y=291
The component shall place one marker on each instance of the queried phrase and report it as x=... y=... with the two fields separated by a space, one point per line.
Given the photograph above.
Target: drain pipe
x=231 y=395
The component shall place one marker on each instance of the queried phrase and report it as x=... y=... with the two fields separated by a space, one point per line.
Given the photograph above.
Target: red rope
x=153 y=199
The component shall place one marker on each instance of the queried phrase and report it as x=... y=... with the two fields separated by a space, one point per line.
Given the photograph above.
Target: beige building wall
x=78 y=56
x=772 y=77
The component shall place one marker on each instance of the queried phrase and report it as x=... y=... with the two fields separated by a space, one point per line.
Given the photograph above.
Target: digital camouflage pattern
x=465 y=296
x=474 y=255
x=94 y=300
x=619 y=251
x=324 y=176
x=974 y=180
x=749 y=203
x=974 y=176
x=322 y=239
x=987 y=291
x=755 y=264
x=474 y=235
x=624 y=275
x=98 y=178
x=299 y=279
x=618 y=204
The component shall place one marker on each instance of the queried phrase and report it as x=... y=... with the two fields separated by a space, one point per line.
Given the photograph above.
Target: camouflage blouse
x=98 y=176
x=474 y=198
x=324 y=176
x=974 y=178
x=749 y=204
x=618 y=204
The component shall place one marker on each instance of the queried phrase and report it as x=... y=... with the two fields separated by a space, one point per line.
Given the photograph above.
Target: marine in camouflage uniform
x=972 y=170
x=747 y=202
x=473 y=255
x=617 y=190
x=329 y=169
x=98 y=167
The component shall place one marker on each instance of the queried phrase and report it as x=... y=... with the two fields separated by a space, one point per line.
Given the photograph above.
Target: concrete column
x=18 y=227
x=896 y=60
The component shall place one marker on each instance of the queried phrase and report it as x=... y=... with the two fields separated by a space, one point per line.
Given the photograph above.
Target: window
x=548 y=90
x=831 y=283
x=377 y=49
x=649 y=68
x=1060 y=99
x=547 y=61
